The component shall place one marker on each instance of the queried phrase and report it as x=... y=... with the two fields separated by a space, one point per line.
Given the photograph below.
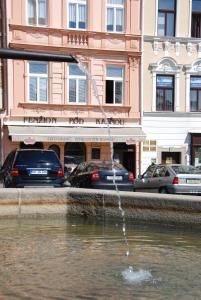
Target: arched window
x=56 y=149
x=74 y=153
x=165 y=76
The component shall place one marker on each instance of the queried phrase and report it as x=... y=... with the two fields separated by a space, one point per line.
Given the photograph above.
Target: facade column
x=153 y=91
x=177 y=86
x=187 y=92
x=156 y=18
x=189 y=18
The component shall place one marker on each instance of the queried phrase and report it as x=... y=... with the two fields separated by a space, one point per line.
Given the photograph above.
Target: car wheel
x=163 y=191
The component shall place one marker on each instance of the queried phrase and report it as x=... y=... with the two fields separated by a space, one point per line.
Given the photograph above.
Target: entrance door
x=171 y=157
x=125 y=155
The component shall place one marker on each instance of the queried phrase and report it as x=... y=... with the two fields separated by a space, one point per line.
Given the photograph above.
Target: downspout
x=4 y=75
x=141 y=75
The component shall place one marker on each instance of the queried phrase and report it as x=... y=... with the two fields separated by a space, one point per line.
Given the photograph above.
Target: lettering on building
x=40 y=119
x=111 y=121
x=76 y=120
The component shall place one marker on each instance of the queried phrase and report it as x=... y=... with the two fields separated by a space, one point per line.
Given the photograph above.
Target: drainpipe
x=141 y=75
x=4 y=75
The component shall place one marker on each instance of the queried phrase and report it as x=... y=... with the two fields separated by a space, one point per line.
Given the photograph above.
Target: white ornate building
x=171 y=82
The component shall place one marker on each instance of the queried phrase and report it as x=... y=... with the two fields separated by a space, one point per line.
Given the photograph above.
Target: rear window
x=32 y=157
x=184 y=169
x=108 y=166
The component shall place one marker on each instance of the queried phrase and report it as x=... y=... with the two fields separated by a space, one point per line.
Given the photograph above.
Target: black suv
x=32 y=167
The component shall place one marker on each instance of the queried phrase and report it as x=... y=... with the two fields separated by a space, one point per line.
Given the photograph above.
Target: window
x=196 y=19
x=38 y=82
x=95 y=153
x=77 y=85
x=114 y=85
x=165 y=93
x=149 y=145
x=37 y=12
x=77 y=14
x=166 y=17
x=195 y=93
x=115 y=15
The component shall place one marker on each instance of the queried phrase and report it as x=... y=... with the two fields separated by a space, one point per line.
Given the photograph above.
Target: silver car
x=169 y=179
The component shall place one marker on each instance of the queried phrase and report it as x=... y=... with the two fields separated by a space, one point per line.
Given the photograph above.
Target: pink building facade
x=53 y=104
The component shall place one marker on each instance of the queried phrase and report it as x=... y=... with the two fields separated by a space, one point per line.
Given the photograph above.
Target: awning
x=32 y=134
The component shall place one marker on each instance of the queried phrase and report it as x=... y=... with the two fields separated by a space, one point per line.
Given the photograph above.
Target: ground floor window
x=74 y=153
x=171 y=157
x=95 y=153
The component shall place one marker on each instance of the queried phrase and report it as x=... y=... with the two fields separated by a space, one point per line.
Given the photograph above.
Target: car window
x=149 y=172
x=161 y=171
x=182 y=169
x=32 y=157
x=9 y=160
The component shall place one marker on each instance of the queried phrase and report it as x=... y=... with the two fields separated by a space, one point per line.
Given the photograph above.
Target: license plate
x=114 y=178
x=38 y=172
x=193 y=181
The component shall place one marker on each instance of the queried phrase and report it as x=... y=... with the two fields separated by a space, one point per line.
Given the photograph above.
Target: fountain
x=129 y=274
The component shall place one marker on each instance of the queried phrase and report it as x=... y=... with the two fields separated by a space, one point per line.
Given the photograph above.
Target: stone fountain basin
x=152 y=207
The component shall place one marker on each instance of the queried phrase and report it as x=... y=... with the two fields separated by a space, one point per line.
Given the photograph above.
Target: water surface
x=83 y=259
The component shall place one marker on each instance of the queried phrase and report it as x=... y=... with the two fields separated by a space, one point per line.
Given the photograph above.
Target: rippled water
x=79 y=259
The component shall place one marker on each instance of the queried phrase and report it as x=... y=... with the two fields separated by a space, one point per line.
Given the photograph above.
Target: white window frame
x=37 y=13
x=38 y=76
x=116 y=79
x=77 y=3
x=166 y=66
x=191 y=70
x=77 y=78
x=115 y=7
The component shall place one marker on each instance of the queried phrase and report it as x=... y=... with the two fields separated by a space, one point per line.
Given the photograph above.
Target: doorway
x=126 y=155
x=171 y=158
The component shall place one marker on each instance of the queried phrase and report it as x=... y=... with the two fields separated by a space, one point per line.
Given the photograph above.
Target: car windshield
x=73 y=160
x=32 y=157
x=108 y=166
x=184 y=169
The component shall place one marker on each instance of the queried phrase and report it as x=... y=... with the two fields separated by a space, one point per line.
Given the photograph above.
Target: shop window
x=37 y=12
x=77 y=14
x=165 y=93
x=38 y=82
x=149 y=146
x=115 y=15
x=196 y=19
x=195 y=93
x=77 y=85
x=95 y=153
x=56 y=149
x=166 y=17
x=114 y=85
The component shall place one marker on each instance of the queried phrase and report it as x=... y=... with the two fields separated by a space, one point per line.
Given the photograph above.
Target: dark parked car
x=169 y=178
x=100 y=175
x=32 y=167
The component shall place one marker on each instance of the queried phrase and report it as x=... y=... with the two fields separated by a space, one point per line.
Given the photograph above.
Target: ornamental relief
x=176 y=47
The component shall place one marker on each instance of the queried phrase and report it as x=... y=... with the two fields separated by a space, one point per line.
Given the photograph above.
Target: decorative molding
x=155 y=47
x=165 y=65
x=177 y=48
x=166 y=46
x=133 y=62
x=189 y=48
